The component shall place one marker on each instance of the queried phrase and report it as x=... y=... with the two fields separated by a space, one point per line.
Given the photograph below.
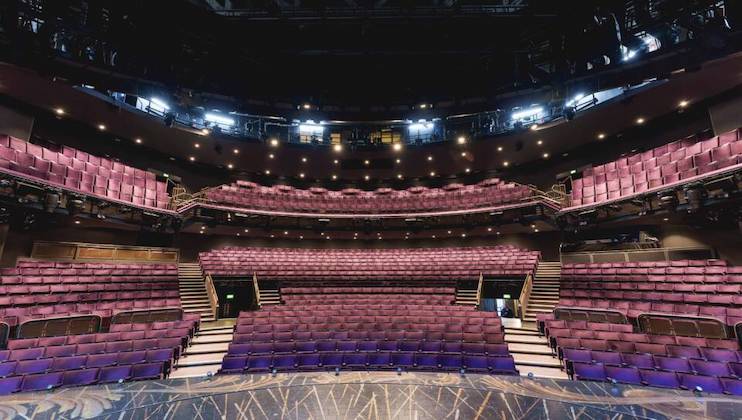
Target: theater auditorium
x=370 y=209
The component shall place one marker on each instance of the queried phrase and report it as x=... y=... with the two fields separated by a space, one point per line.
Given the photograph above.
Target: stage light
x=489 y=229
x=337 y=147
x=527 y=113
x=160 y=105
x=463 y=154
x=274 y=142
x=534 y=127
x=59 y=111
x=640 y=120
x=236 y=151
x=398 y=161
x=77 y=222
x=366 y=162
x=101 y=127
x=247 y=230
x=307 y=106
x=335 y=161
x=138 y=141
x=665 y=219
x=461 y=140
x=463 y=235
x=219 y=119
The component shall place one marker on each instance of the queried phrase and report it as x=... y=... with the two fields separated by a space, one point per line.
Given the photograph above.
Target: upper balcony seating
x=487 y=193
x=40 y=289
x=378 y=264
x=684 y=287
x=81 y=172
x=366 y=295
x=678 y=162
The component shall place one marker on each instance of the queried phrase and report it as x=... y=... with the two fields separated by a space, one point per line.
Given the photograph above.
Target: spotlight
x=683 y=103
x=540 y=142
x=534 y=127
x=432 y=173
x=546 y=155
x=205 y=131
x=236 y=151
x=640 y=120
x=430 y=158
x=304 y=160
x=138 y=141
x=338 y=148
x=271 y=156
x=397 y=147
x=196 y=145
x=230 y=166
x=366 y=177
x=59 y=111
x=267 y=172
x=499 y=148
x=461 y=140
x=334 y=177
x=274 y=142
x=192 y=159
x=399 y=176
x=102 y=127
x=506 y=163
x=301 y=175
x=601 y=136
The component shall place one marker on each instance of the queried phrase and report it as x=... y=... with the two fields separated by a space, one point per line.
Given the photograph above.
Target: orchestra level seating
x=82 y=172
x=488 y=193
x=366 y=264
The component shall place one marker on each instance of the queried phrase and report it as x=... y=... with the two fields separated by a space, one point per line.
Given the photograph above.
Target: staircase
x=268 y=296
x=531 y=351
x=206 y=351
x=467 y=297
x=193 y=297
x=544 y=291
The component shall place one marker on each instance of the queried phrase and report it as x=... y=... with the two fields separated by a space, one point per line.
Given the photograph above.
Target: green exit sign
x=230 y=296
x=506 y=296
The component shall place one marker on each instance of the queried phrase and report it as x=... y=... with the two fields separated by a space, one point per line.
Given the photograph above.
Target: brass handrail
x=479 y=290
x=525 y=294
x=256 y=288
x=213 y=297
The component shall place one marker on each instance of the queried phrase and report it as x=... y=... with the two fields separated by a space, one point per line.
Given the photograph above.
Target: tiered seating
x=81 y=172
x=39 y=289
x=367 y=264
x=138 y=351
x=364 y=295
x=612 y=352
x=686 y=287
x=675 y=163
x=369 y=336
x=488 y=193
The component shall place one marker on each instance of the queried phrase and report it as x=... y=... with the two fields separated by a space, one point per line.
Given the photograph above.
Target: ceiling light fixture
x=640 y=120
x=601 y=136
x=399 y=176
x=274 y=142
x=230 y=166
x=301 y=175
x=334 y=177
x=366 y=177
x=506 y=163
x=101 y=127
x=304 y=160
x=540 y=142
x=467 y=170
x=271 y=156
x=59 y=111
x=432 y=173
x=138 y=141
x=192 y=158
x=236 y=151
x=267 y=172
x=683 y=103
x=397 y=147
x=461 y=140
x=546 y=155
x=205 y=131
x=196 y=145
x=499 y=148
x=337 y=147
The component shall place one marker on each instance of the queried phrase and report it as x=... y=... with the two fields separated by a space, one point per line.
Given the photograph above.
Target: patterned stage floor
x=361 y=395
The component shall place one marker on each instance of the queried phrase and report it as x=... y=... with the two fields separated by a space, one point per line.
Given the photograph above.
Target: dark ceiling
x=352 y=54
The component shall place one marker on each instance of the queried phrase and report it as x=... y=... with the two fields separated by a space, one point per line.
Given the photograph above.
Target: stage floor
x=367 y=395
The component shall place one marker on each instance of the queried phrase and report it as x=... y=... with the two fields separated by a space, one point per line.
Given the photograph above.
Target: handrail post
x=256 y=288
x=479 y=290
x=213 y=297
x=525 y=294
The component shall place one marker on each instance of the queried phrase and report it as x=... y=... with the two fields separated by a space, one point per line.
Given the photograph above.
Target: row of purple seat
x=55 y=298
x=655 y=297
x=475 y=337
x=502 y=365
x=82 y=349
x=657 y=349
x=16 y=315
x=655 y=378
x=110 y=337
x=313 y=346
x=165 y=356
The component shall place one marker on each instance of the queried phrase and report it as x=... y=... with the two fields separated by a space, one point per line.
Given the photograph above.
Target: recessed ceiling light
x=366 y=177
x=399 y=176
x=247 y=230
x=463 y=154
x=432 y=173
x=463 y=235
x=337 y=147
x=683 y=103
x=398 y=160
x=499 y=148
x=535 y=230
x=461 y=140
x=271 y=156
x=489 y=229
x=546 y=155
x=192 y=158
x=540 y=142
x=77 y=222
x=335 y=161
x=366 y=162
x=59 y=111
x=506 y=163
x=665 y=219
x=205 y=131
x=236 y=151
x=601 y=136
x=301 y=236
x=334 y=177
x=138 y=140
x=397 y=147
x=303 y=159
x=449 y=232
x=267 y=172
x=196 y=145
x=467 y=170
x=285 y=232
x=640 y=120
x=301 y=175
x=430 y=158
x=534 y=127
x=230 y=166
x=274 y=142
x=101 y=127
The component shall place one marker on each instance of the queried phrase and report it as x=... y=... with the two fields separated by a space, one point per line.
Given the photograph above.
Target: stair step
x=527 y=359
x=525 y=339
x=520 y=331
x=215 y=331
x=212 y=338
x=542 y=372
x=207 y=348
